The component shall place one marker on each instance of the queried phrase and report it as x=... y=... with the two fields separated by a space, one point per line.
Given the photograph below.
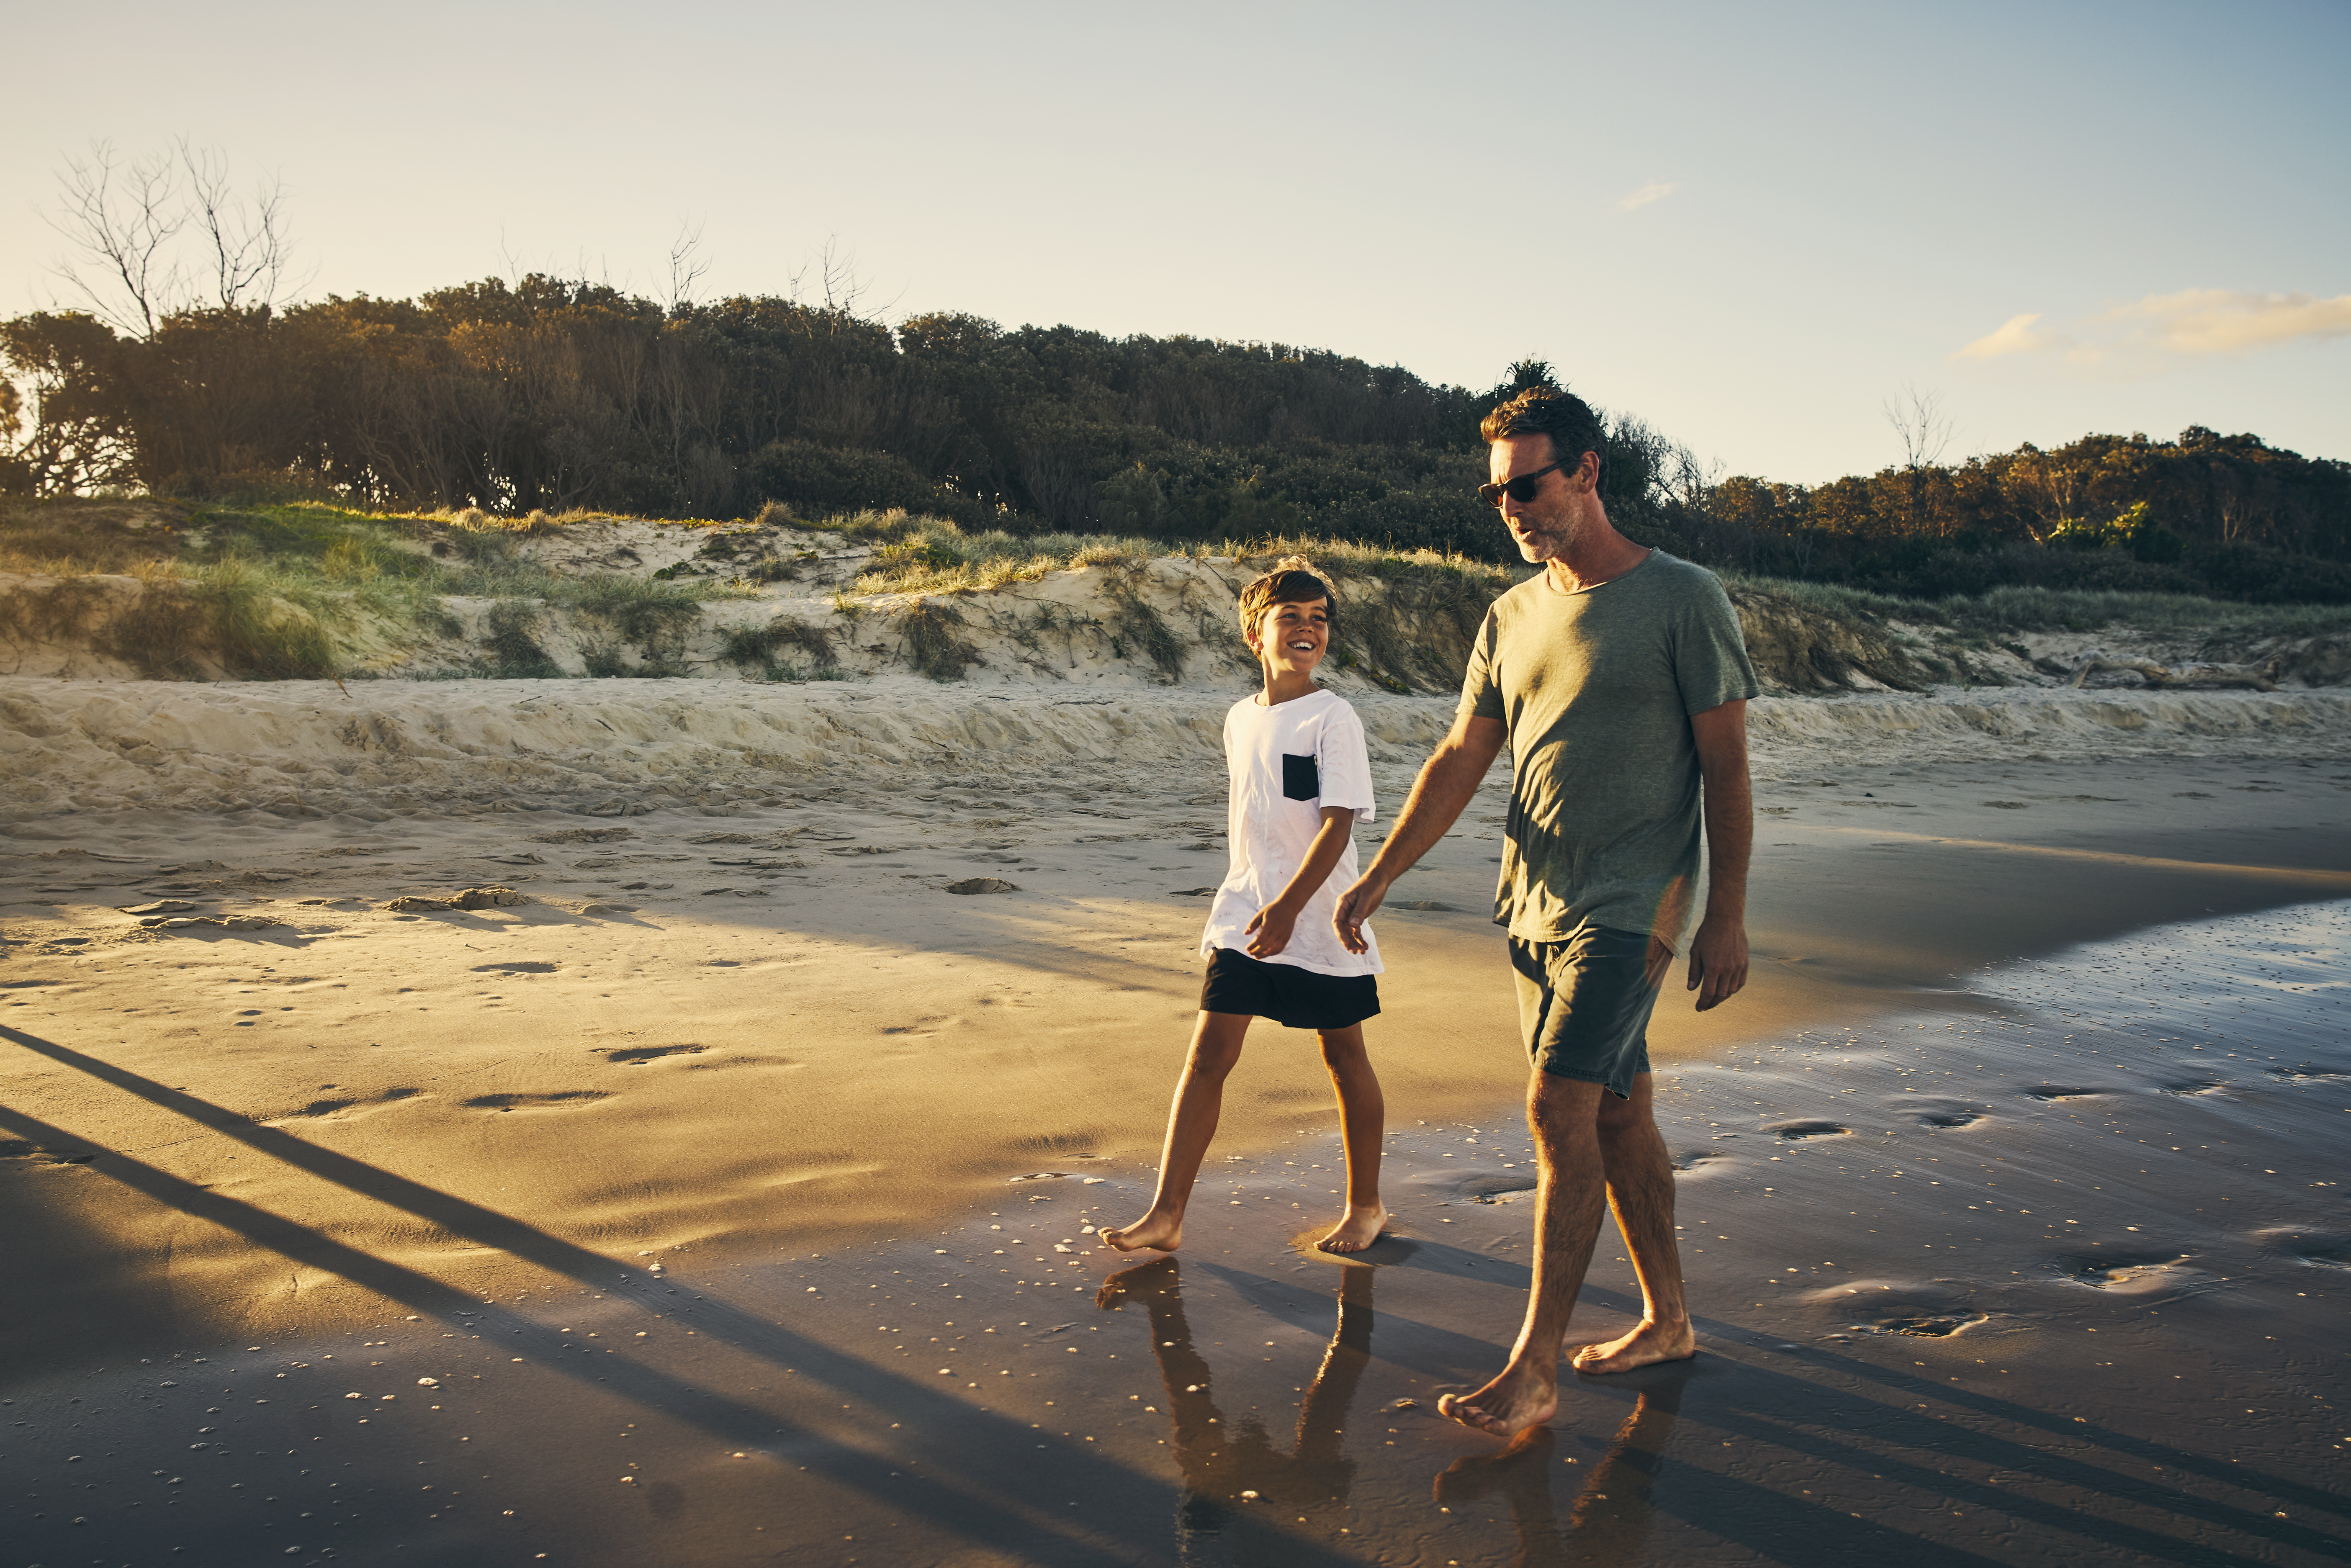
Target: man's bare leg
x=1569 y=1195
x=1191 y=1126
x=1362 y=1124
x=1640 y=1192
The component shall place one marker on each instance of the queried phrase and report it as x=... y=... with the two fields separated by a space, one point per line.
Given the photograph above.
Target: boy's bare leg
x=1362 y=1125
x=1640 y=1192
x=1191 y=1125
x=1569 y=1195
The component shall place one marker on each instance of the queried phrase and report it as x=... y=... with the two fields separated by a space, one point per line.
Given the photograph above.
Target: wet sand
x=336 y=1156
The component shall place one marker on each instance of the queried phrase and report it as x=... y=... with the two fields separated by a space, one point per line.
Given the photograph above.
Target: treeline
x=566 y=395
x=2229 y=516
x=558 y=395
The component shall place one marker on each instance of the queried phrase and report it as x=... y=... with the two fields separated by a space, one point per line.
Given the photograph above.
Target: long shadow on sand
x=1795 y=1407
x=983 y=1505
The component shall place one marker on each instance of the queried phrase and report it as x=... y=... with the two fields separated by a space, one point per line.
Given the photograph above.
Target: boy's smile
x=1292 y=638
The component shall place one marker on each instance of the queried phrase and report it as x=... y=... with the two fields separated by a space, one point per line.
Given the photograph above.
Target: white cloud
x=1655 y=191
x=2015 y=336
x=2223 y=322
x=2163 y=332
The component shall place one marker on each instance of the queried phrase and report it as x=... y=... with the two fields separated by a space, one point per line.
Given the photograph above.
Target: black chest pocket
x=1301 y=779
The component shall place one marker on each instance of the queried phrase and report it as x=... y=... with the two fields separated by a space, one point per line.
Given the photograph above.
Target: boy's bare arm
x=1274 y=925
x=1447 y=782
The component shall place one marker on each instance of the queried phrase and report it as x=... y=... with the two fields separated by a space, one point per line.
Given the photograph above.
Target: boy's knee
x=1215 y=1056
x=1345 y=1050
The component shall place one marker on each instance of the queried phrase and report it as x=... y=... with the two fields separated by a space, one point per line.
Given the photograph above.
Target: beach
x=721 y=1186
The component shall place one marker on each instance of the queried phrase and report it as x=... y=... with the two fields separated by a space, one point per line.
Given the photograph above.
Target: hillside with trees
x=555 y=395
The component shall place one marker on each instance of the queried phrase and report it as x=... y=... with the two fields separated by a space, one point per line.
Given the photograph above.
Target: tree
x=1924 y=431
x=166 y=232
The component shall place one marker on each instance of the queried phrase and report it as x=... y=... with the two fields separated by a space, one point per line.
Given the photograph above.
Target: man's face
x=1542 y=528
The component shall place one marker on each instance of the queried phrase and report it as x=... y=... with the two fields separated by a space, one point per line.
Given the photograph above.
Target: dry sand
x=740 y=1030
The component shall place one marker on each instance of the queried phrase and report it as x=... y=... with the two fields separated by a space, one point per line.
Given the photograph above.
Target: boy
x=1301 y=780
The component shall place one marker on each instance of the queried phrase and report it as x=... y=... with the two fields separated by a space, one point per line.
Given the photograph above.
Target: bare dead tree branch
x=124 y=220
x=1918 y=421
x=687 y=263
x=251 y=249
x=121 y=218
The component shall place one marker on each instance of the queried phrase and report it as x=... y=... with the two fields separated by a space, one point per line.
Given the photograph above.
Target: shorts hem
x=1577 y=1075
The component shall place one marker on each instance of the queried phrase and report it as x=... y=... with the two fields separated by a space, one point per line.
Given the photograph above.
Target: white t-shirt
x=1287 y=763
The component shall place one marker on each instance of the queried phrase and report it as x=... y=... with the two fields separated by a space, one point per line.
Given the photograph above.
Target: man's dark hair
x=1566 y=418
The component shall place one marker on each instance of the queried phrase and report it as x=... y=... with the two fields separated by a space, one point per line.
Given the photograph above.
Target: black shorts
x=1289 y=996
x=1584 y=1004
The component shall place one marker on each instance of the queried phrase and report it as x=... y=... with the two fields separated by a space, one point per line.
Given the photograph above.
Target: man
x=1620 y=680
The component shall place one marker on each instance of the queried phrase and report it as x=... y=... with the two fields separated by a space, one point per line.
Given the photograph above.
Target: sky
x=1752 y=227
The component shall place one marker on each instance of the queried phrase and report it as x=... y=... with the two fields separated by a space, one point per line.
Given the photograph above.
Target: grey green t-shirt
x=1597 y=688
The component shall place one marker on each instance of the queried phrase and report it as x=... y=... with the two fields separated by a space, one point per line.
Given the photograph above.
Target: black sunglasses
x=1521 y=488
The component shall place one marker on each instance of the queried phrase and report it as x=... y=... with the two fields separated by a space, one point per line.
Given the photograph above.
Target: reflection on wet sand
x=1231 y=1468
x=1610 y=1518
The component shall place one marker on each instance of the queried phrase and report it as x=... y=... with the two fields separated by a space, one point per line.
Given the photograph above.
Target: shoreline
x=1979 y=1363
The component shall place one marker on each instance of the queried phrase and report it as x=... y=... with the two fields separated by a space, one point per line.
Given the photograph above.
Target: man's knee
x=1562 y=1107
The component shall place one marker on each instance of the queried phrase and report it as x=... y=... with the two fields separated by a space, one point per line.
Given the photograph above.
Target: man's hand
x=1355 y=906
x=1271 y=926
x=1717 y=965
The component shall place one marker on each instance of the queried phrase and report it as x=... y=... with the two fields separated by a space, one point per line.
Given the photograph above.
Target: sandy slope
x=386 y=749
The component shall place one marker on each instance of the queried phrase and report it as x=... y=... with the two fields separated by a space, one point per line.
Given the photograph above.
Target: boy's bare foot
x=1644 y=1346
x=1164 y=1232
x=1358 y=1230
x=1522 y=1396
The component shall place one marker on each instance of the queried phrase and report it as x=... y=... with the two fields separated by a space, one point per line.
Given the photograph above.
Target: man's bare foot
x=1522 y=1396
x=1163 y=1231
x=1358 y=1230
x=1644 y=1346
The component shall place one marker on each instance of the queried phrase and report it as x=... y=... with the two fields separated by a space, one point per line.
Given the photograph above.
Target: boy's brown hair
x=1294 y=579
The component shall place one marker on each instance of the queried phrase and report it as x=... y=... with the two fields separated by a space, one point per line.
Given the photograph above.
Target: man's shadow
x=1221 y=1462
x=1610 y=1518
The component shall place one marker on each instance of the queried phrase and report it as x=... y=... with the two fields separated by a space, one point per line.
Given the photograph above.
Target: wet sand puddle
x=2049 y=1271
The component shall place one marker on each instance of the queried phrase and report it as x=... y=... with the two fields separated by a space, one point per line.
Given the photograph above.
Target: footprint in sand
x=638 y=1055
x=1927 y=1325
x=2132 y=1273
x=350 y=1107
x=1942 y=1114
x=522 y=967
x=561 y=1099
x=2195 y=1086
x=1698 y=1159
x=2051 y=1092
x=2319 y=1249
x=1801 y=1129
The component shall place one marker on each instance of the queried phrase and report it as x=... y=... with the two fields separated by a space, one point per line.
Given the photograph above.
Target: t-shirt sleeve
x=1710 y=662
x=1481 y=687
x=1345 y=763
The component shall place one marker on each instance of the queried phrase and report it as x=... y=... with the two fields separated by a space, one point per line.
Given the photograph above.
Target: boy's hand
x=1272 y=926
x=1355 y=906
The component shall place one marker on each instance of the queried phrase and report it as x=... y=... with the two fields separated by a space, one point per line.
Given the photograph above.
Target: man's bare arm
x=1447 y=781
x=1718 y=953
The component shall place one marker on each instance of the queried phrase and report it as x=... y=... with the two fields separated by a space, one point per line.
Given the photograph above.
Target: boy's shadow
x=1610 y=1518
x=1220 y=1461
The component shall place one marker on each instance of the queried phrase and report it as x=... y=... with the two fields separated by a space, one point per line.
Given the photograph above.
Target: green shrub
x=932 y=645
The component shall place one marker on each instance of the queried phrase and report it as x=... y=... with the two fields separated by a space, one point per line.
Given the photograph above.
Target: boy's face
x=1292 y=638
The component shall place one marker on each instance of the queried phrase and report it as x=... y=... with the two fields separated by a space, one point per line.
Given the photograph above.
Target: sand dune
x=385 y=749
